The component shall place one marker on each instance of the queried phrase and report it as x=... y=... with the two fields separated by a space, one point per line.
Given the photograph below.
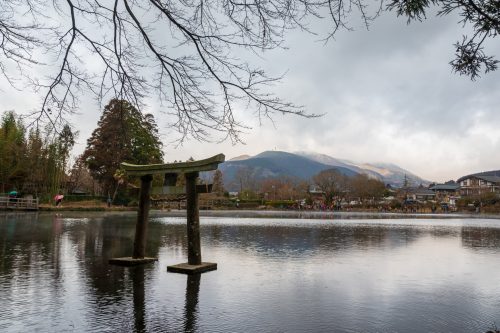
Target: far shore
x=270 y=213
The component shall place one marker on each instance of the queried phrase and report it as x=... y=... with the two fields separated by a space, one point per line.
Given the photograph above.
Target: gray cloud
x=388 y=94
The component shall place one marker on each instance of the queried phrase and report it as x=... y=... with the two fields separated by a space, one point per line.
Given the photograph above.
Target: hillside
x=386 y=172
x=273 y=164
x=303 y=166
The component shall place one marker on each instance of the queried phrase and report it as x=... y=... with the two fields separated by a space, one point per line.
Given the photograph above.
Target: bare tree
x=187 y=53
x=245 y=179
x=483 y=16
x=284 y=188
x=363 y=187
x=332 y=182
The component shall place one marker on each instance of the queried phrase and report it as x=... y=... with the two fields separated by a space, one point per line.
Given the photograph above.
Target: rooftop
x=445 y=187
x=489 y=176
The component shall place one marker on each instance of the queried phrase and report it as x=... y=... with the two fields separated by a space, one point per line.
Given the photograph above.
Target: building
x=420 y=193
x=480 y=183
x=446 y=193
x=449 y=188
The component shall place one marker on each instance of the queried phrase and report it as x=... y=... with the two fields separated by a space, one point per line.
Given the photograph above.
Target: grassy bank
x=99 y=206
x=84 y=206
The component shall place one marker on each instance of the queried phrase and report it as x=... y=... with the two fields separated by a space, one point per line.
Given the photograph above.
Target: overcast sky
x=387 y=95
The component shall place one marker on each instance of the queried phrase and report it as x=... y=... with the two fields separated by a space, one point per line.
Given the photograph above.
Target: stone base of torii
x=171 y=170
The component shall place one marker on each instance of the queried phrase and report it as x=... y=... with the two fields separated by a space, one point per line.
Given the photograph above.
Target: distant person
x=13 y=196
x=58 y=198
x=109 y=202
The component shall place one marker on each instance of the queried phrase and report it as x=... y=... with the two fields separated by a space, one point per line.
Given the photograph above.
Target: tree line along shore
x=38 y=162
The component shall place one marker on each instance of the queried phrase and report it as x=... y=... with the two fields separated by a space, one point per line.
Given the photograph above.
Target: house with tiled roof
x=446 y=188
x=419 y=194
x=480 y=183
x=446 y=193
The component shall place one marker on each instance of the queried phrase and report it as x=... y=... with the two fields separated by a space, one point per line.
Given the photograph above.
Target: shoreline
x=264 y=213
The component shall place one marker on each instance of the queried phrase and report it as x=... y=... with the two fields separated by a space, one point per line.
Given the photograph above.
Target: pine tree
x=123 y=134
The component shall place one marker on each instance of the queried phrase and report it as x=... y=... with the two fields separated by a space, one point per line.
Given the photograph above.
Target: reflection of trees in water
x=100 y=239
x=305 y=240
x=30 y=242
x=33 y=247
x=175 y=237
x=476 y=238
x=111 y=286
x=29 y=245
x=302 y=240
x=115 y=293
x=269 y=239
x=31 y=269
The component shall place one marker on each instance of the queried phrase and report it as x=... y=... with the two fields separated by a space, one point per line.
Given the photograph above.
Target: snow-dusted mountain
x=304 y=165
x=240 y=158
x=328 y=160
x=387 y=172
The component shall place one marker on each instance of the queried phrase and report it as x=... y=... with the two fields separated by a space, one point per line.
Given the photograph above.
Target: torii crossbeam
x=171 y=170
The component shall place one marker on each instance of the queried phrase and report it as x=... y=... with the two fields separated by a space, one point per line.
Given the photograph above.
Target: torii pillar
x=171 y=170
x=193 y=220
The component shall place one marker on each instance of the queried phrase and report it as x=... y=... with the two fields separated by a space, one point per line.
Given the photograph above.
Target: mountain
x=393 y=174
x=273 y=164
x=325 y=159
x=387 y=172
x=240 y=158
x=304 y=165
x=328 y=160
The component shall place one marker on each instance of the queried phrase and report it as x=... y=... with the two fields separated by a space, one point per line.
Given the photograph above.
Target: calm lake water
x=274 y=275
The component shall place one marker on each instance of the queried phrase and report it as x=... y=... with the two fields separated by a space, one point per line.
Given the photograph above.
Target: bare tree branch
x=189 y=54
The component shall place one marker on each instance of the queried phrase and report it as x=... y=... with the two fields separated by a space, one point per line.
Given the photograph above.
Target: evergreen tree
x=36 y=163
x=123 y=134
x=57 y=158
x=31 y=162
x=12 y=152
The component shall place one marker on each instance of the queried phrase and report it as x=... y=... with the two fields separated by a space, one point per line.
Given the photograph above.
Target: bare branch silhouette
x=190 y=54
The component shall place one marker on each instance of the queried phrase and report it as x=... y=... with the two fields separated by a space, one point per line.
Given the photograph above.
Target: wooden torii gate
x=171 y=171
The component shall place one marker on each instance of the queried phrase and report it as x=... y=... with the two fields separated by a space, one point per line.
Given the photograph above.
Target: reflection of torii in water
x=190 y=308
x=139 y=301
x=170 y=171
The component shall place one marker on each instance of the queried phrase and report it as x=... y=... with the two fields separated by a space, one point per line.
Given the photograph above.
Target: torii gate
x=171 y=170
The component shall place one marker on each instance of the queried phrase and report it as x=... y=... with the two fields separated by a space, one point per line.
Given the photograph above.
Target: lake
x=349 y=273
